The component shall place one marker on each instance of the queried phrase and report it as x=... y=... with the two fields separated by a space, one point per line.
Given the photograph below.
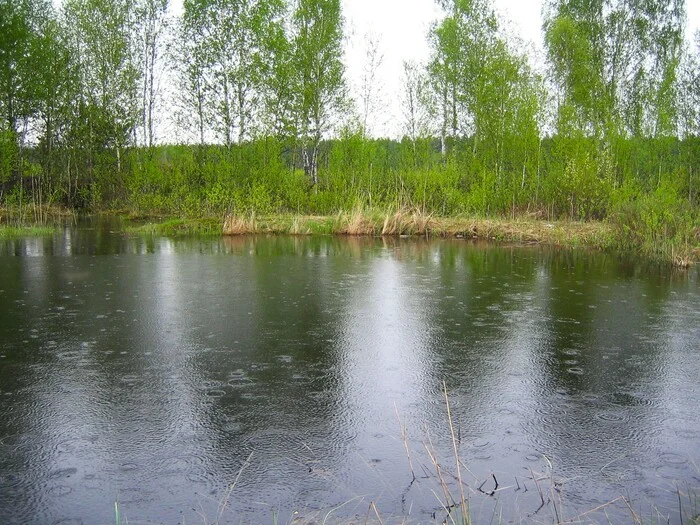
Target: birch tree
x=193 y=62
x=101 y=35
x=616 y=64
x=235 y=54
x=485 y=89
x=690 y=93
x=150 y=31
x=317 y=77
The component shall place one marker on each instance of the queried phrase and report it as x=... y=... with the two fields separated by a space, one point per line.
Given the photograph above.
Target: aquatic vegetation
x=32 y=221
x=177 y=227
x=25 y=231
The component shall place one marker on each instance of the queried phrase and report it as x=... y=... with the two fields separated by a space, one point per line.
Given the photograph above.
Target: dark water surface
x=158 y=373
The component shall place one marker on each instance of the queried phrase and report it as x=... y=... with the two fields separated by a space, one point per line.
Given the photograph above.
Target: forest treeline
x=257 y=97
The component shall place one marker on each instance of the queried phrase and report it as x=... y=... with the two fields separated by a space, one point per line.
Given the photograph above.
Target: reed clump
x=389 y=222
x=298 y=227
x=35 y=215
x=408 y=222
x=358 y=222
x=33 y=220
x=240 y=225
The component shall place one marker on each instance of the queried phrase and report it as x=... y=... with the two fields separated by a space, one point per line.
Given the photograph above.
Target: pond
x=273 y=379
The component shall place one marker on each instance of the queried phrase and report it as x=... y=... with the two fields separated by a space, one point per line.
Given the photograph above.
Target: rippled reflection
x=156 y=372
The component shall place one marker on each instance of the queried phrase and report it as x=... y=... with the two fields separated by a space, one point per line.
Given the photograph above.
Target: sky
x=401 y=27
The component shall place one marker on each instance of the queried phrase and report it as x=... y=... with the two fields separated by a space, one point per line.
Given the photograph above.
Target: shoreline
x=375 y=223
x=522 y=230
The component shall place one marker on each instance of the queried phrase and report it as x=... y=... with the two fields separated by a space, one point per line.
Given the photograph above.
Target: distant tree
x=108 y=76
x=317 y=81
x=417 y=105
x=371 y=88
x=151 y=26
x=615 y=63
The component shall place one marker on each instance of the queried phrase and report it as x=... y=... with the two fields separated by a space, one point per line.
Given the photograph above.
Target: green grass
x=13 y=232
x=178 y=227
x=32 y=221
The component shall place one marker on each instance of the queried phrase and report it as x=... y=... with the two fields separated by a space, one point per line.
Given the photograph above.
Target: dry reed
x=237 y=225
x=408 y=222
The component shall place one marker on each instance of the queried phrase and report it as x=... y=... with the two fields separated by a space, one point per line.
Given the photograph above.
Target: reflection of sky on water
x=150 y=369
x=383 y=352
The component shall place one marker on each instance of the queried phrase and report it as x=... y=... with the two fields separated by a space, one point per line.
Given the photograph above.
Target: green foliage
x=229 y=50
x=8 y=155
x=661 y=222
x=262 y=92
x=616 y=65
x=584 y=188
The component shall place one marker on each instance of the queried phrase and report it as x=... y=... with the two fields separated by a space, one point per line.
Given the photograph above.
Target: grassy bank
x=9 y=232
x=413 y=222
x=382 y=223
x=637 y=231
x=643 y=200
x=32 y=221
